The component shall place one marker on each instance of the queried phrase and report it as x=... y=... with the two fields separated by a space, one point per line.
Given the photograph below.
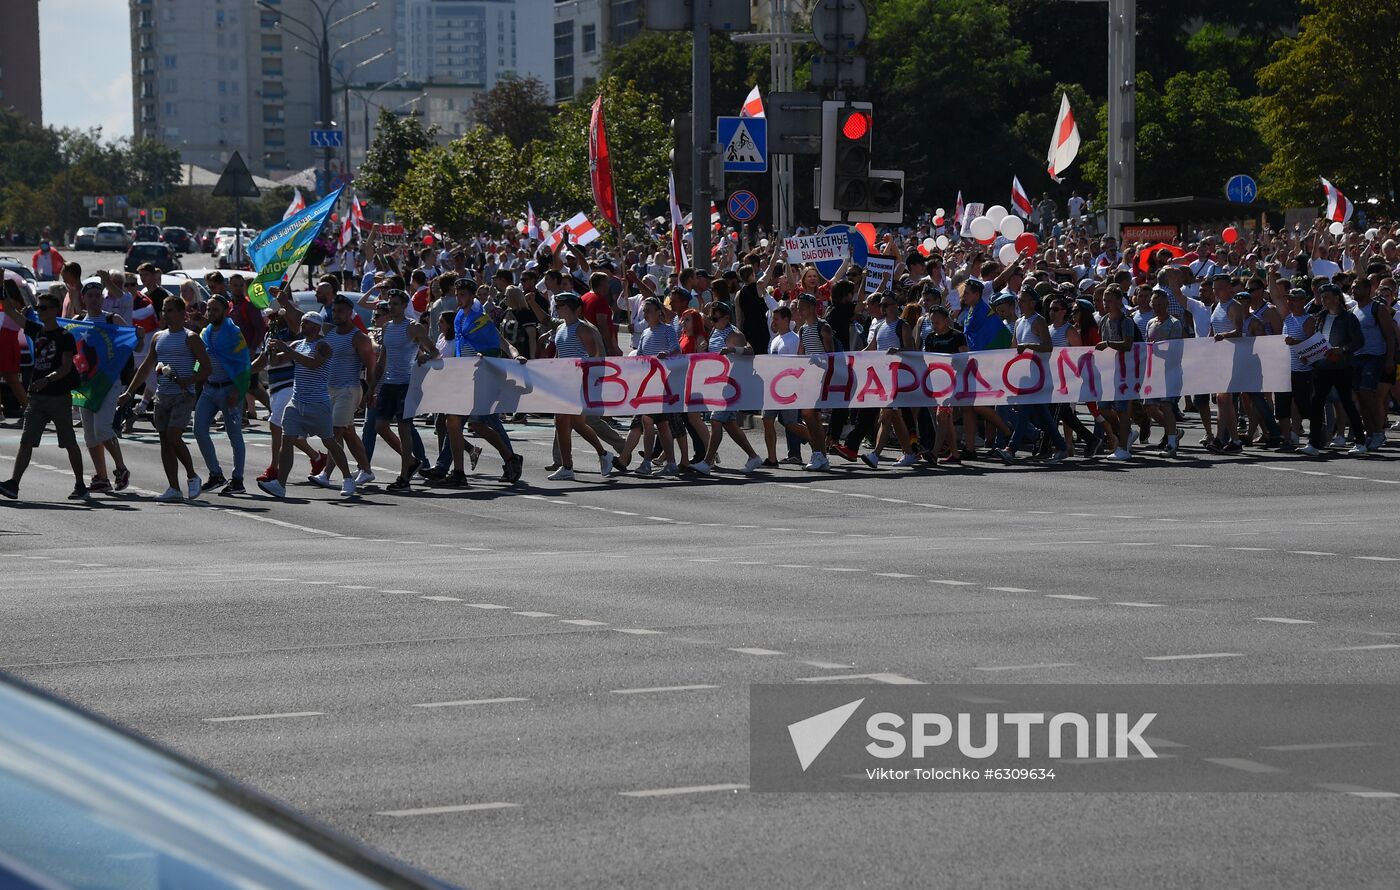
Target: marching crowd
x=333 y=380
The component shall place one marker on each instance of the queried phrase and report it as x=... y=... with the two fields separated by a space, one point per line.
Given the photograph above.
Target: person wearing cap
x=402 y=342
x=659 y=340
x=1333 y=372
x=182 y=365
x=1298 y=327
x=575 y=338
x=1033 y=335
x=725 y=339
x=352 y=356
x=99 y=434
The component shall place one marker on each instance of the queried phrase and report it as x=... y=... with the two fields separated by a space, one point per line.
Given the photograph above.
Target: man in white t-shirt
x=784 y=342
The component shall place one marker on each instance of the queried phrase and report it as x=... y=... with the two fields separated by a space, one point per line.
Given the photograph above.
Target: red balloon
x=1231 y=235
x=335 y=218
x=938 y=221
x=427 y=240
x=1027 y=243
x=988 y=243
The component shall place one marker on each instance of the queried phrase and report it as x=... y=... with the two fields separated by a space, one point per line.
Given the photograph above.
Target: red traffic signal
x=856 y=126
x=101 y=201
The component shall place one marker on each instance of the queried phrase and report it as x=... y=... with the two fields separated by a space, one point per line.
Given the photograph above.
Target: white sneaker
x=193 y=486
x=364 y=477
x=1395 y=425
x=1339 y=441
x=644 y=468
x=273 y=487
x=819 y=462
x=1120 y=454
x=347 y=488
x=563 y=474
x=170 y=496
x=908 y=460
x=1357 y=449
x=871 y=459
x=752 y=464
x=701 y=467
x=323 y=480
x=669 y=470
x=1310 y=450
x=605 y=463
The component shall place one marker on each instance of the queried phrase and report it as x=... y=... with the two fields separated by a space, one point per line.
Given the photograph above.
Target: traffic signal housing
x=849 y=190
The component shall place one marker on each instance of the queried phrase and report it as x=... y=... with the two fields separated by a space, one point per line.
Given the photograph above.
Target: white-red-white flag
x=1339 y=206
x=1020 y=201
x=677 y=227
x=714 y=214
x=753 y=105
x=354 y=222
x=1064 y=141
x=297 y=206
x=581 y=231
x=532 y=223
x=958 y=213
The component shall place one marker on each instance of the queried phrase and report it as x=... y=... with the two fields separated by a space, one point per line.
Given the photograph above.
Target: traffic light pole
x=700 y=149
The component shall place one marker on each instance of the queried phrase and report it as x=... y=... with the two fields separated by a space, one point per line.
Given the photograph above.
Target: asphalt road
x=566 y=667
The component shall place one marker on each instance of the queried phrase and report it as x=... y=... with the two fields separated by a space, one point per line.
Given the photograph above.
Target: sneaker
x=98 y=484
x=402 y=483
x=122 y=478
x=752 y=464
x=170 y=496
x=1057 y=456
x=192 y=487
x=364 y=477
x=271 y=486
x=793 y=460
x=321 y=479
x=474 y=456
x=1339 y=441
x=79 y=493
x=1288 y=448
x=318 y=463
x=771 y=464
x=843 y=452
x=1357 y=449
x=1310 y=450
x=1233 y=447
x=9 y=489
x=269 y=474
x=1169 y=451
x=1120 y=454
x=605 y=463
x=433 y=474
x=669 y=470
x=515 y=466
x=819 y=462
x=235 y=486
x=908 y=460
x=456 y=479
x=414 y=467
x=551 y=468
x=966 y=454
x=213 y=481
x=644 y=468
x=1213 y=446
x=1376 y=442
x=871 y=460
x=951 y=459
x=1006 y=456
x=347 y=488
x=701 y=467
x=563 y=474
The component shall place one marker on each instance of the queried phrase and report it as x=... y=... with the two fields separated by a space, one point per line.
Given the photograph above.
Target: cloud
x=85 y=64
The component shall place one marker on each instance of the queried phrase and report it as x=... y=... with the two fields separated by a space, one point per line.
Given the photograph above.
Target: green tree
x=152 y=168
x=638 y=142
x=395 y=140
x=465 y=186
x=1328 y=106
x=515 y=108
x=31 y=153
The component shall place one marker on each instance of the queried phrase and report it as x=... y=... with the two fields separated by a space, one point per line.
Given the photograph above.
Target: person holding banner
x=99 y=434
x=401 y=343
x=1117 y=332
x=725 y=339
x=1342 y=331
x=1299 y=331
x=575 y=338
x=891 y=335
x=815 y=337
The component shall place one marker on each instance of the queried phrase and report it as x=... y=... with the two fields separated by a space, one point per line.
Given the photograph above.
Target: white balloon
x=1372 y=234
x=763 y=242
x=942 y=242
x=940 y=212
x=982 y=228
x=1008 y=254
x=929 y=243
x=996 y=213
x=1012 y=227
x=520 y=226
x=1336 y=228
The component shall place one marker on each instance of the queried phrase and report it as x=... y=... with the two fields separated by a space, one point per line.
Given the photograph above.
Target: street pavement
x=549 y=686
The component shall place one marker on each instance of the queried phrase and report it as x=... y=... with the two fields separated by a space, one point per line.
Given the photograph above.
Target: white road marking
x=886 y=678
x=1142 y=605
x=1193 y=546
x=894 y=575
x=470 y=701
x=1285 y=620
x=638 y=631
x=535 y=614
x=442 y=599
x=1252 y=549
x=318 y=582
x=1366 y=648
x=1196 y=655
x=689 y=789
x=1359 y=791
x=750 y=650
x=390 y=591
x=355 y=587
x=839 y=569
x=662 y=689
x=1379 y=558
x=951 y=583
x=458 y=808
x=1310 y=552
x=1319 y=746
x=264 y=716
x=1240 y=763
x=487 y=606
x=789 y=565
x=827 y=665
x=1065 y=596
x=1026 y=667
x=584 y=622
x=1014 y=590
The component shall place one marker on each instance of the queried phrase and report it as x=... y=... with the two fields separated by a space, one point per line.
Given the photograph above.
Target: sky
x=85 y=64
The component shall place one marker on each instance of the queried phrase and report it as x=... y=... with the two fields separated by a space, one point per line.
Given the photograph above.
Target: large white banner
x=712 y=382
x=817 y=248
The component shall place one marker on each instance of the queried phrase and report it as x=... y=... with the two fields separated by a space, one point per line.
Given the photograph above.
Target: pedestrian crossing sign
x=744 y=143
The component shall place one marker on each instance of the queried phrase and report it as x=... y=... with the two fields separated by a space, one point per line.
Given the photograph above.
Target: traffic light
x=101 y=206
x=851 y=187
x=849 y=190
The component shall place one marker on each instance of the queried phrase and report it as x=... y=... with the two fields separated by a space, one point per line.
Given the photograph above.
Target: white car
x=226 y=246
x=111 y=236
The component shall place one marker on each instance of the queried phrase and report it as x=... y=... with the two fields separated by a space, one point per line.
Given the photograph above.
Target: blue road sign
x=743 y=143
x=859 y=251
x=119 y=200
x=743 y=206
x=1242 y=189
x=327 y=138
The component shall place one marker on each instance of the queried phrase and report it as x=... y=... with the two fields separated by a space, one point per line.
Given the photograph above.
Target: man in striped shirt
x=658 y=339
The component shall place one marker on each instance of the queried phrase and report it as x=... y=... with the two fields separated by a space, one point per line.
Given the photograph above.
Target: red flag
x=1020 y=201
x=600 y=167
x=1339 y=206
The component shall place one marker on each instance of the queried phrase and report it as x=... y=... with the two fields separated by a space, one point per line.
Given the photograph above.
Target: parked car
x=146 y=232
x=110 y=236
x=83 y=240
x=179 y=238
x=10 y=264
x=86 y=803
x=158 y=253
x=226 y=247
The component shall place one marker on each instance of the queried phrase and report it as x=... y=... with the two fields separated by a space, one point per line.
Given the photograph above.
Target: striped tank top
x=1025 y=332
x=398 y=353
x=1258 y=315
x=811 y=337
x=345 y=362
x=719 y=338
x=1220 y=322
x=310 y=386
x=567 y=343
x=1293 y=329
x=1059 y=335
x=887 y=336
x=173 y=349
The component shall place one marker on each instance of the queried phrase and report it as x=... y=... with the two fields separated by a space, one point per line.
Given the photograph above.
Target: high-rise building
x=582 y=29
x=217 y=76
x=19 y=59
x=474 y=42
